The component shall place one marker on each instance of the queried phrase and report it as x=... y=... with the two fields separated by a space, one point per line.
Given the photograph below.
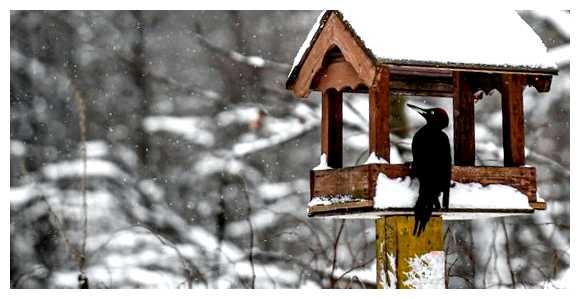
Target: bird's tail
x=423 y=210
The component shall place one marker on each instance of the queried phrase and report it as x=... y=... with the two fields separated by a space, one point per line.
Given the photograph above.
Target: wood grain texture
x=379 y=106
x=463 y=121
x=512 y=108
x=394 y=236
x=331 y=127
x=352 y=180
x=360 y=182
x=521 y=178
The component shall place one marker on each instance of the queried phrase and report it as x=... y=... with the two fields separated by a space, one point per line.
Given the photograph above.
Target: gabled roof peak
x=489 y=41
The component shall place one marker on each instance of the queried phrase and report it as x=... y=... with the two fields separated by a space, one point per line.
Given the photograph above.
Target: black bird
x=431 y=165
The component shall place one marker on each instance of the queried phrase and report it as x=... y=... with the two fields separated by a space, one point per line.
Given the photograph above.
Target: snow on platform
x=397 y=196
x=402 y=193
x=422 y=37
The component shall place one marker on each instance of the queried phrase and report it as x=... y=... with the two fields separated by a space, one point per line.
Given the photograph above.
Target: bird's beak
x=418 y=109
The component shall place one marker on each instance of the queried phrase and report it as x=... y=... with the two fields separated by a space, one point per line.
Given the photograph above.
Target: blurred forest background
x=160 y=150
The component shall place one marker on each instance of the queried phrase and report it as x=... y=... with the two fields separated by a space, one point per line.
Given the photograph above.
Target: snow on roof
x=498 y=39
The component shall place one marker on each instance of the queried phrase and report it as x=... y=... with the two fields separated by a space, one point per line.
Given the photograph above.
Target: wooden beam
x=331 y=127
x=461 y=67
x=421 y=85
x=379 y=141
x=512 y=106
x=396 y=247
x=358 y=181
x=463 y=121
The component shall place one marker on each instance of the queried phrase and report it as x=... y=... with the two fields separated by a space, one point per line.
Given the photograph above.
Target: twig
x=508 y=257
x=79 y=100
x=335 y=253
x=249 y=213
x=253 y=61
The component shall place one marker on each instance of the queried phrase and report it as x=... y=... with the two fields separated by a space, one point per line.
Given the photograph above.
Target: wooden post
x=396 y=247
x=331 y=127
x=379 y=141
x=512 y=108
x=463 y=121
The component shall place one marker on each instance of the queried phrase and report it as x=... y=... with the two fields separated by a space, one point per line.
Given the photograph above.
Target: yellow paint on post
x=395 y=239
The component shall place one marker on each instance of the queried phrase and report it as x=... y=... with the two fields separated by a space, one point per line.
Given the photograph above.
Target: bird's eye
x=432 y=112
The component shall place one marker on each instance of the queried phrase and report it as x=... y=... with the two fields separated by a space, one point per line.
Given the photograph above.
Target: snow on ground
x=126 y=259
x=403 y=192
x=193 y=129
x=520 y=44
x=426 y=271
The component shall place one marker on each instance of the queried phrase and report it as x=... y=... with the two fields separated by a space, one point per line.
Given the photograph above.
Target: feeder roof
x=476 y=40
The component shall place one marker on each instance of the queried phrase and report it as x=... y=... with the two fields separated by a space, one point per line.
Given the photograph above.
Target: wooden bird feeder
x=383 y=54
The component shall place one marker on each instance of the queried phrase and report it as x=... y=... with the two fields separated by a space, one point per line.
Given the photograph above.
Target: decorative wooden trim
x=541 y=83
x=333 y=34
x=331 y=127
x=513 y=119
x=463 y=121
x=379 y=107
x=339 y=75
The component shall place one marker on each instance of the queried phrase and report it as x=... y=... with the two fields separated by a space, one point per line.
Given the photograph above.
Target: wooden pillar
x=396 y=247
x=379 y=141
x=331 y=127
x=512 y=108
x=463 y=121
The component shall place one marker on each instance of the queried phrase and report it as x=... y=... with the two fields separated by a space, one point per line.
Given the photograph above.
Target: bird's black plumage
x=431 y=165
